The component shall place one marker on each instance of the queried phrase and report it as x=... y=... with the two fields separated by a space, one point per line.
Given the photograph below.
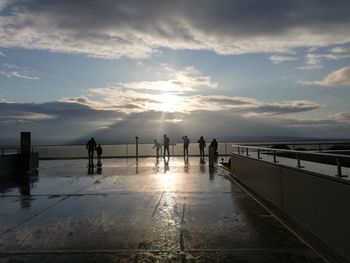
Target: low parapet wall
x=316 y=203
x=12 y=164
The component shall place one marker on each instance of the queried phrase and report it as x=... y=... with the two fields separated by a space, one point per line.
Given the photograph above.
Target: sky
x=118 y=69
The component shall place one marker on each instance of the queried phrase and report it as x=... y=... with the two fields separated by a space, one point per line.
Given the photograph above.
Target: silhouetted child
x=99 y=153
x=158 y=147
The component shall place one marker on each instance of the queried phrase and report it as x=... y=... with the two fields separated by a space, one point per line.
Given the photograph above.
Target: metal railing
x=317 y=157
x=12 y=150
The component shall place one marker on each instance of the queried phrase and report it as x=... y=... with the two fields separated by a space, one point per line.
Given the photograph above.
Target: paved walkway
x=150 y=212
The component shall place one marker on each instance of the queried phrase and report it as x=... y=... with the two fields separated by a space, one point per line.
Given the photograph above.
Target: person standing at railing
x=158 y=147
x=202 y=145
x=214 y=144
x=91 y=147
x=166 y=143
x=186 y=144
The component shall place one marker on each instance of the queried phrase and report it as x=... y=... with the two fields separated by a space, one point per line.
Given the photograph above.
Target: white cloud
x=189 y=79
x=277 y=59
x=314 y=60
x=16 y=74
x=342 y=117
x=340 y=77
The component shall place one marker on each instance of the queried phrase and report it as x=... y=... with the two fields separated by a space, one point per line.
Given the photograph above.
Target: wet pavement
x=150 y=212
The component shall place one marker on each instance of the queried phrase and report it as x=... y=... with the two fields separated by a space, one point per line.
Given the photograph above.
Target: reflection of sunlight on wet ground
x=168 y=181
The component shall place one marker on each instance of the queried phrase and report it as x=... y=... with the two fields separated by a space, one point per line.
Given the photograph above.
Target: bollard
x=259 y=154
x=137 y=148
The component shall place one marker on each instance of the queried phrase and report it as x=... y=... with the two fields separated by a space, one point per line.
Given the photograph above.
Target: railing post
x=274 y=156
x=246 y=149
x=238 y=150
x=137 y=148
x=259 y=154
x=298 y=161
x=339 y=172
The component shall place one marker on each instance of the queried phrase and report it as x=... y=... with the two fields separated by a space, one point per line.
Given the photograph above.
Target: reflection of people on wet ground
x=90 y=147
x=214 y=144
x=158 y=147
x=99 y=152
x=166 y=165
x=202 y=145
x=166 y=145
x=186 y=144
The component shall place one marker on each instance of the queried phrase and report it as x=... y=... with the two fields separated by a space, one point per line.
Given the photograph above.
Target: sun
x=169 y=103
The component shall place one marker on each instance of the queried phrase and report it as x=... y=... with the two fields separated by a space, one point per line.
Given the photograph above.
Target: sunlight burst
x=169 y=103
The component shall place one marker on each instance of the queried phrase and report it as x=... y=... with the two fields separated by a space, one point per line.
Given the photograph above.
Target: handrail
x=338 y=157
x=291 y=151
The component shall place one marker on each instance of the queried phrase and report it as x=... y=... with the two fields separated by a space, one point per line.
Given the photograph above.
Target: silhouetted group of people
x=91 y=147
x=186 y=143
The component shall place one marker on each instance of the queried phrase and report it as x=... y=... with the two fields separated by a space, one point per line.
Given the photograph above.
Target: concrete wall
x=318 y=204
x=12 y=164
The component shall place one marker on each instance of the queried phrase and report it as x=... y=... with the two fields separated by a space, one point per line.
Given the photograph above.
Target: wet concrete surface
x=150 y=212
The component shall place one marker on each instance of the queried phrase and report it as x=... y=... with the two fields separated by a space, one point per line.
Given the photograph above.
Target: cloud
x=13 y=71
x=342 y=117
x=277 y=59
x=253 y=107
x=16 y=74
x=314 y=60
x=340 y=77
x=113 y=29
x=189 y=79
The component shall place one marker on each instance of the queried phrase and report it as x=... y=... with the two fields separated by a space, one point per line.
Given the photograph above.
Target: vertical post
x=25 y=151
x=137 y=148
x=246 y=150
x=259 y=154
x=339 y=170
x=274 y=156
x=298 y=161
x=239 y=152
x=339 y=167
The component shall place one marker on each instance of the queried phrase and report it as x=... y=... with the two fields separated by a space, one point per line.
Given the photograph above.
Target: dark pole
x=137 y=148
x=25 y=151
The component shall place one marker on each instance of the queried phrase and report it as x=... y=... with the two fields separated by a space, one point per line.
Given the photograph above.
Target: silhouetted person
x=158 y=147
x=214 y=144
x=186 y=144
x=166 y=146
x=99 y=152
x=202 y=145
x=91 y=147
